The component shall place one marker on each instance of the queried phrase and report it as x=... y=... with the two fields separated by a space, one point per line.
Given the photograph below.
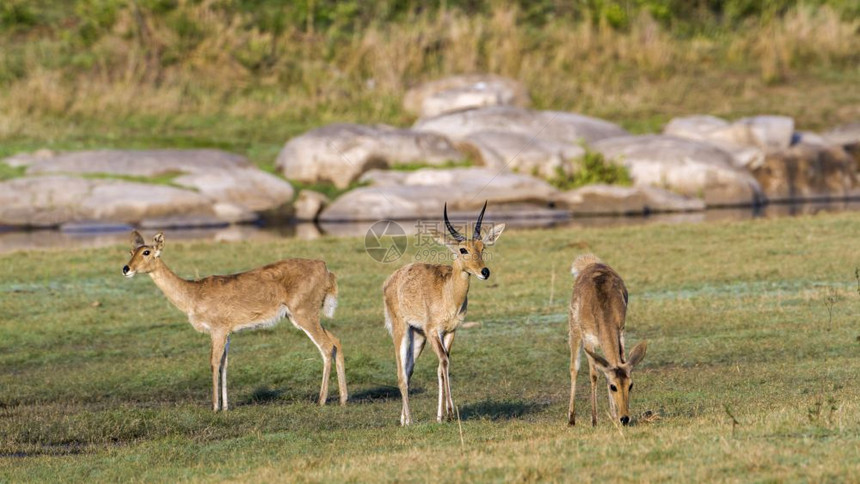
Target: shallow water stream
x=14 y=240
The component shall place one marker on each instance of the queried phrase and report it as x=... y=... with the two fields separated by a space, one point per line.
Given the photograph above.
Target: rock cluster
x=205 y=187
x=475 y=139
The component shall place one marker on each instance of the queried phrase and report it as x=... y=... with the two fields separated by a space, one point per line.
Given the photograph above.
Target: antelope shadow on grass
x=265 y=395
x=493 y=410
x=382 y=393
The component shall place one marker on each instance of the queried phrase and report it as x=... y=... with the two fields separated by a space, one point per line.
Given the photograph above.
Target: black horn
x=478 y=223
x=451 y=229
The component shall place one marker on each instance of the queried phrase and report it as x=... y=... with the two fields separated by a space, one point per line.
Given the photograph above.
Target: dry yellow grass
x=214 y=64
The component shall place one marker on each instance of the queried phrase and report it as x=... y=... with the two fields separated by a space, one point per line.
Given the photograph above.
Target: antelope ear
x=599 y=361
x=493 y=234
x=452 y=244
x=158 y=241
x=136 y=240
x=637 y=353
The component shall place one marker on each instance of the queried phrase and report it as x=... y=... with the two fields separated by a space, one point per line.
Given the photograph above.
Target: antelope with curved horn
x=221 y=305
x=427 y=302
x=598 y=309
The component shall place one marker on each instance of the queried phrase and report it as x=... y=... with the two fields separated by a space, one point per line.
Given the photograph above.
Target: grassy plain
x=752 y=367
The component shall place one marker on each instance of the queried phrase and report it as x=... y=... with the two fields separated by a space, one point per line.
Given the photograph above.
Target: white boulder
x=619 y=200
x=692 y=168
x=340 y=153
x=459 y=93
x=561 y=127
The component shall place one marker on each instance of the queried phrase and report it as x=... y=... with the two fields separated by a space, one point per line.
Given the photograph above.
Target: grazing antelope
x=259 y=298
x=427 y=302
x=597 y=311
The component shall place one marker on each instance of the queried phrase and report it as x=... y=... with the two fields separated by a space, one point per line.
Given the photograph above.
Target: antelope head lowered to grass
x=598 y=308
x=220 y=305
x=427 y=302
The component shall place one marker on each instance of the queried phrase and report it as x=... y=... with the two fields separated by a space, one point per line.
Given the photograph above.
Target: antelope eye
x=464 y=251
x=631 y=387
x=146 y=252
x=613 y=388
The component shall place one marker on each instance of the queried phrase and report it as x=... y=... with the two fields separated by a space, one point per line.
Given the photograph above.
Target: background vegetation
x=245 y=75
x=750 y=373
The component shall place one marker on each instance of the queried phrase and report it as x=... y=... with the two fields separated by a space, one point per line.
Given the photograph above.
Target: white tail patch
x=330 y=300
x=582 y=262
x=388 y=320
x=329 y=305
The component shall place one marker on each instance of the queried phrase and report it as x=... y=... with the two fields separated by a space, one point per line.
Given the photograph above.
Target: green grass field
x=752 y=367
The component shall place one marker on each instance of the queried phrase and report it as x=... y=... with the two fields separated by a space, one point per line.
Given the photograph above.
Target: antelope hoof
x=625 y=420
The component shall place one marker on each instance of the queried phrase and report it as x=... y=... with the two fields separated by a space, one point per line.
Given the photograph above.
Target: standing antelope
x=427 y=302
x=597 y=311
x=220 y=305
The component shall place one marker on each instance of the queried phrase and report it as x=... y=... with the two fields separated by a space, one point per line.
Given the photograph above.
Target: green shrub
x=16 y=14
x=8 y=172
x=594 y=169
x=326 y=188
x=415 y=166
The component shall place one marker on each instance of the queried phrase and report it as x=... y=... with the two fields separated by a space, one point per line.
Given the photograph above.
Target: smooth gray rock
x=618 y=200
x=561 y=127
x=458 y=93
x=768 y=132
x=522 y=154
x=844 y=135
x=700 y=127
x=217 y=175
x=380 y=178
x=765 y=133
x=309 y=204
x=45 y=201
x=736 y=139
x=148 y=163
x=248 y=188
x=341 y=153
x=422 y=193
x=692 y=168
x=713 y=129
x=810 y=138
